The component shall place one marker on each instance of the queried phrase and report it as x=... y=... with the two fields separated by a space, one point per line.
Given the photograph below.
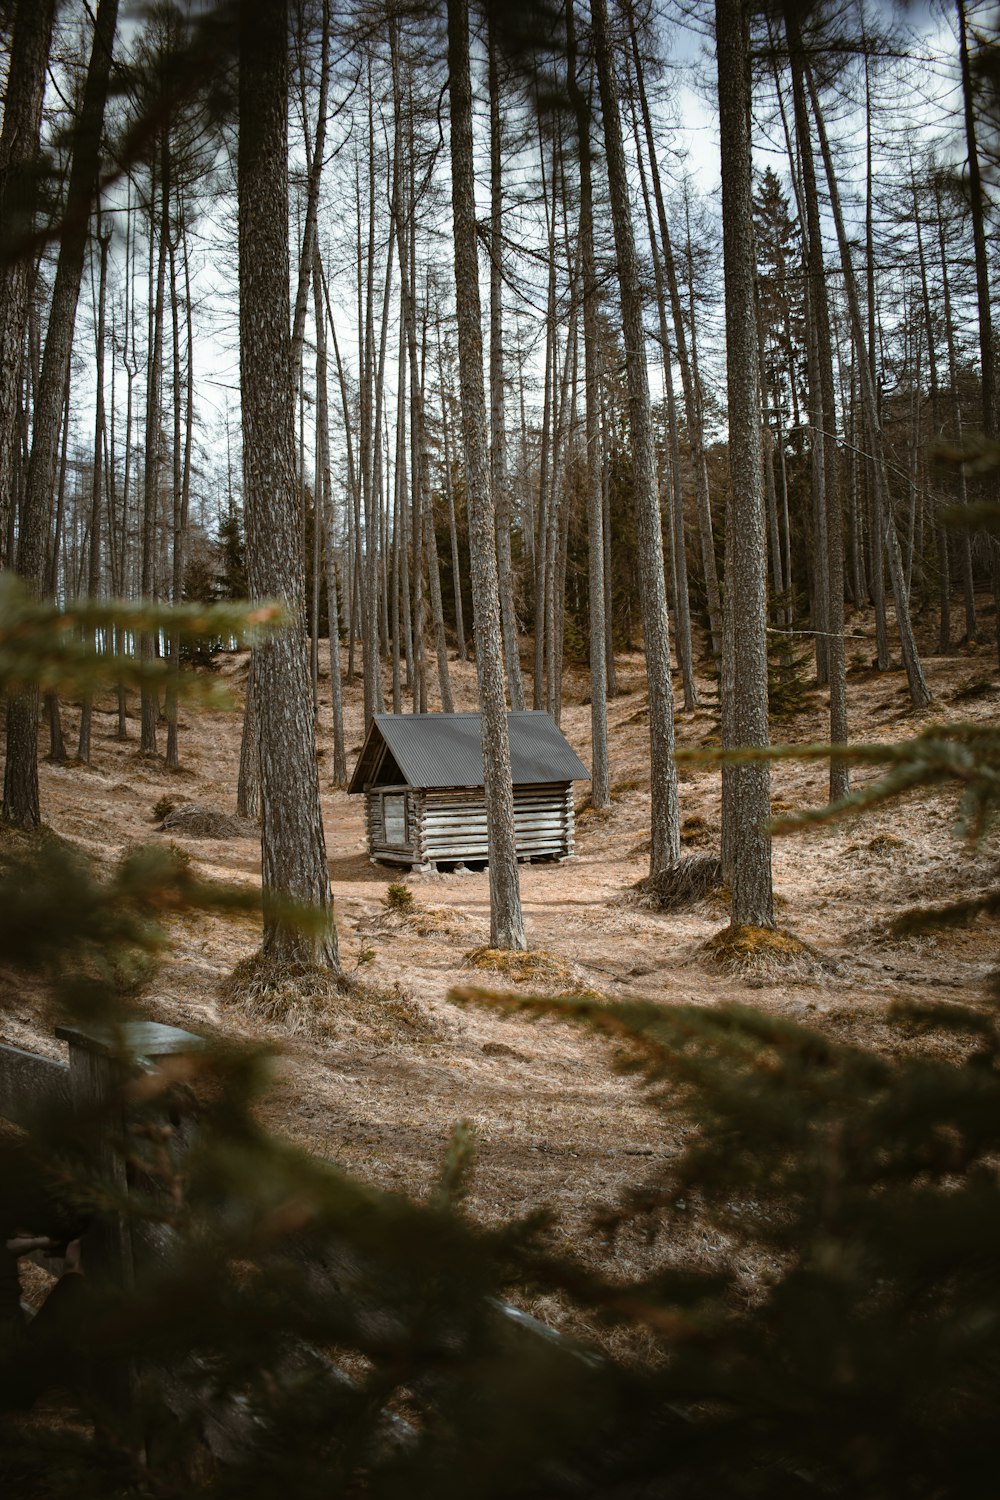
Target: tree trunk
x=150 y=708
x=675 y=499
x=314 y=172
x=940 y=534
x=600 y=787
x=22 y=116
x=324 y=522
x=987 y=350
x=57 y=743
x=548 y=385
x=456 y=571
x=292 y=844
x=692 y=404
x=830 y=541
x=181 y=489
x=96 y=478
x=665 y=823
x=423 y=507
x=506 y=922
x=248 y=782
x=21 y=803
x=746 y=803
x=965 y=539
x=920 y=695
x=499 y=477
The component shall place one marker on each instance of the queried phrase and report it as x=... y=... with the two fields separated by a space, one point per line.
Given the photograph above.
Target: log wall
x=449 y=824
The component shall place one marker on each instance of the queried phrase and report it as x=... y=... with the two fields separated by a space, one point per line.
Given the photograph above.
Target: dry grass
x=695 y=830
x=681 y=885
x=885 y=843
x=303 y=1000
x=762 y=953
x=401 y=912
x=973 y=688
x=616 y=793
x=587 y=812
x=535 y=965
x=194 y=821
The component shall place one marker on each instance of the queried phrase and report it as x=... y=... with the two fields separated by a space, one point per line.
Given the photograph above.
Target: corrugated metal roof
x=436 y=750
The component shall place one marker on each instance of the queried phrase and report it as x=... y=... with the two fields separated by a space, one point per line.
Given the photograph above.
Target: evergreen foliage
x=51 y=647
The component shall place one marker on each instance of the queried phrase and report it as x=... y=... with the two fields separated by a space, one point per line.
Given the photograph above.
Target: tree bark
x=665 y=822
x=506 y=921
x=830 y=542
x=920 y=695
x=19 y=139
x=600 y=786
x=21 y=802
x=96 y=477
x=499 y=476
x=292 y=844
x=746 y=803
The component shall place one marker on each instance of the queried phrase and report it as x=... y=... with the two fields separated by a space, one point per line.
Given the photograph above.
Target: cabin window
x=394 y=818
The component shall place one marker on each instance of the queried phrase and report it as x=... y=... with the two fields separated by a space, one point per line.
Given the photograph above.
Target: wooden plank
x=446 y=853
x=455 y=819
x=467 y=830
x=137 y=1041
x=28 y=1082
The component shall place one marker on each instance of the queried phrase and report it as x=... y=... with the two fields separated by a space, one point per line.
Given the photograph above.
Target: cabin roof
x=437 y=750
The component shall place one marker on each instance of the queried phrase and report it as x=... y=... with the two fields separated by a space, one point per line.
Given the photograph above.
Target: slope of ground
x=556 y=1124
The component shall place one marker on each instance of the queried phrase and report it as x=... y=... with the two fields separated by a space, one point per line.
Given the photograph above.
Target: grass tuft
x=681 y=885
x=695 y=830
x=885 y=843
x=304 y=1000
x=535 y=964
x=972 y=688
x=762 y=952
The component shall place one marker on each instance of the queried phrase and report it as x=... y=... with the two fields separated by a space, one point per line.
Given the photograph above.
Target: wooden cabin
x=422 y=780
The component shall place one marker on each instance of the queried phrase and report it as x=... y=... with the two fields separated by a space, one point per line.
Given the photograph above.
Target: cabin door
x=394 y=819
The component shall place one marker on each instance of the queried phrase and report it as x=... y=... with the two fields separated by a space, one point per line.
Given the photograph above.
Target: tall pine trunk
x=506 y=921
x=499 y=476
x=294 y=867
x=22 y=116
x=665 y=823
x=600 y=788
x=20 y=800
x=746 y=806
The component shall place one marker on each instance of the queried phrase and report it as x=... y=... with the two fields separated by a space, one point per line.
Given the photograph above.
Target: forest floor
x=378 y=1088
